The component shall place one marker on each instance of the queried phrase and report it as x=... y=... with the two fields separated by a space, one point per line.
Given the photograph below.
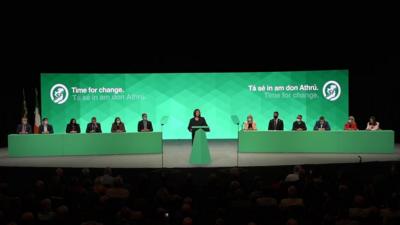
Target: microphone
x=164 y=120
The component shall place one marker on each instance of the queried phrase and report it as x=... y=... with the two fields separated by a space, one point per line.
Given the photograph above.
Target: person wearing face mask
x=299 y=124
x=275 y=123
x=322 y=125
x=145 y=125
x=24 y=127
x=118 y=126
x=73 y=127
x=93 y=126
x=45 y=127
x=249 y=124
x=351 y=124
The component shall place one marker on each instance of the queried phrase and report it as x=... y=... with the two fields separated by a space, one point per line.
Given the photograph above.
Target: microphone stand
x=162 y=146
x=237 y=146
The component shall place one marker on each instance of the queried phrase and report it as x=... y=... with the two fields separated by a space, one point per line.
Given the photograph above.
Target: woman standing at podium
x=197 y=120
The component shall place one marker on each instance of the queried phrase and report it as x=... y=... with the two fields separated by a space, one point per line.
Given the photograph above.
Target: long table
x=84 y=144
x=317 y=141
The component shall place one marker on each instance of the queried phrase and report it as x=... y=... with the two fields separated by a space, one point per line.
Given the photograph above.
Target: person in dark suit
x=299 y=124
x=45 y=127
x=322 y=124
x=24 y=127
x=275 y=123
x=73 y=127
x=144 y=125
x=93 y=127
x=197 y=120
x=118 y=126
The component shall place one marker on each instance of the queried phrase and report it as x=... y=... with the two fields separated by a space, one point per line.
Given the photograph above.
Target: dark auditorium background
x=372 y=86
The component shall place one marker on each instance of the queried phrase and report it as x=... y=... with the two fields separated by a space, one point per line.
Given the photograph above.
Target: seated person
x=24 y=127
x=351 y=124
x=298 y=172
x=362 y=209
x=118 y=191
x=144 y=125
x=249 y=124
x=275 y=123
x=73 y=127
x=292 y=199
x=322 y=124
x=93 y=126
x=391 y=212
x=118 y=126
x=299 y=124
x=45 y=127
x=372 y=124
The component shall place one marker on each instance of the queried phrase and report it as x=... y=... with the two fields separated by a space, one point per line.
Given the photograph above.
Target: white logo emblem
x=59 y=93
x=331 y=90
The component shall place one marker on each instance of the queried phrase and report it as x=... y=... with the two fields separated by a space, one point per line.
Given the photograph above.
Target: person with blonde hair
x=249 y=124
x=351 y=124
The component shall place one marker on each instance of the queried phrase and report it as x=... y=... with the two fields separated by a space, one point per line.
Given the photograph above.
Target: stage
x=176 y=155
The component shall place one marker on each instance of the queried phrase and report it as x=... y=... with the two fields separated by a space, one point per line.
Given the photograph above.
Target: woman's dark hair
x=70 y=122
x=194 y=112
x=373 y=119
x=117 y=118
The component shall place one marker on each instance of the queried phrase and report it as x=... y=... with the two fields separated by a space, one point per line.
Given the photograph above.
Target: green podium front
x=317 y=141
x=35 y=145
x=200 y=152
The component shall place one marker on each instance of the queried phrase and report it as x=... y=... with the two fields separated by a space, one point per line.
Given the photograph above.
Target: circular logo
x=59 y=93
x=331 y=90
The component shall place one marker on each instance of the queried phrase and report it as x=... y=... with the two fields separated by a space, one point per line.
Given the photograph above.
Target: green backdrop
x=176 y=95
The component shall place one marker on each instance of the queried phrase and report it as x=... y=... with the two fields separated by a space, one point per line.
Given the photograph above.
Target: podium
x=200 y=152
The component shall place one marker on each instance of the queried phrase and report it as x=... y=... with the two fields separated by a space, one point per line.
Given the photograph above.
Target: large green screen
x=176 y=95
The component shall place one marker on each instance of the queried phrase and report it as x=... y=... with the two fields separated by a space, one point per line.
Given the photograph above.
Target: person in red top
x=351 y=124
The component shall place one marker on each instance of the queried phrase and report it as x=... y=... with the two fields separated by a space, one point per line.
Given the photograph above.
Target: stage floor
x=176 y=155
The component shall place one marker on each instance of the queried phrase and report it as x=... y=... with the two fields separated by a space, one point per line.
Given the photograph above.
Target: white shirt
x=372 y=127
